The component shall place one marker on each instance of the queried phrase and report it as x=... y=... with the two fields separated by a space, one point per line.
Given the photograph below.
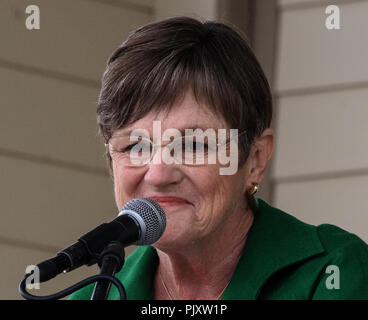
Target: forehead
x=186 y=113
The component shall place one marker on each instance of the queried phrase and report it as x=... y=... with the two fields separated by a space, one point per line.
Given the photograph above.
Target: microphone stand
x=110 y=262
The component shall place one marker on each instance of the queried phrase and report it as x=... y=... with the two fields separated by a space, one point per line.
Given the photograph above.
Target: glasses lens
x=141 y=152
x=196 y=149
x=130 y=153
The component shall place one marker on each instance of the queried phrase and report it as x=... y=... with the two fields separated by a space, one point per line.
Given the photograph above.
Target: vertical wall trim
x=258 y=20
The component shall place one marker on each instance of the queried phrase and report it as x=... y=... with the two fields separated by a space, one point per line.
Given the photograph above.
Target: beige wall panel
x=49 y=117
x=308 y=2
x=14 y=261
x=310 y=55
x=75 y=37
x=341 y=202
x=321 y=133
x=51 y=205
x=206 y=9
x=147 y=3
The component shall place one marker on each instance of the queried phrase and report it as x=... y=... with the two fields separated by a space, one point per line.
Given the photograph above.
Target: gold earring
x=254 y=190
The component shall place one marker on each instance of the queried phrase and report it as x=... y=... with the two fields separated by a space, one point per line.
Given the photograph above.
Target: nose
x=160 y=174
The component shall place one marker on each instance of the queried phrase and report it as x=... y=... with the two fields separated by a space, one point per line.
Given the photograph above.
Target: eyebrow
x=182 y=130
x=127 y=132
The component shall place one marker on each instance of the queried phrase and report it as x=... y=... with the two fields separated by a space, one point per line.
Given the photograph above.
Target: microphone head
x=150 y=217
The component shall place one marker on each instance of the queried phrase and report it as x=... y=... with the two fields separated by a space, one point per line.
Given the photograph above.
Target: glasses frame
x=156 y=147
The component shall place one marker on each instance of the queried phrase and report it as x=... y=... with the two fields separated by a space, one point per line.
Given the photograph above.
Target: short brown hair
x=159 y=61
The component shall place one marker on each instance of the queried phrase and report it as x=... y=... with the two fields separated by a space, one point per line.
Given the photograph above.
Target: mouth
x=169 y=201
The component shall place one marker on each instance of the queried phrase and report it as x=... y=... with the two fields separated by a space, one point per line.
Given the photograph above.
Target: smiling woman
x=220 y=242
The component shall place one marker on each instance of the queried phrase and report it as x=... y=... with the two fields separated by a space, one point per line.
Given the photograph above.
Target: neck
x=204 y=269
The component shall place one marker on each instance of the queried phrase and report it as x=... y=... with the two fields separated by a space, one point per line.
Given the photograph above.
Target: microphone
x=142 y=221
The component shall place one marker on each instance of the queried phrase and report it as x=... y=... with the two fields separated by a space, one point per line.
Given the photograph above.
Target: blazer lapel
x=275 y=240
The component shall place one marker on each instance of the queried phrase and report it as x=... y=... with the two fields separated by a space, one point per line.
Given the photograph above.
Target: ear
x=259 y=157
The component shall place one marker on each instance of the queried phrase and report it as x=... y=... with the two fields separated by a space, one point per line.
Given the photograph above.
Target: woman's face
x=197 y=200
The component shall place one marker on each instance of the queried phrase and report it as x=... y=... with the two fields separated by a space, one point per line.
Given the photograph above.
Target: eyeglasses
x=187 y=149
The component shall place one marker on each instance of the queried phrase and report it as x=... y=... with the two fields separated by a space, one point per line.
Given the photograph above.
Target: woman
x=220 y=242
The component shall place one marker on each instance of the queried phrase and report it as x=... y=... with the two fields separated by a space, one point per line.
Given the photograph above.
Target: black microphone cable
x=63 y=293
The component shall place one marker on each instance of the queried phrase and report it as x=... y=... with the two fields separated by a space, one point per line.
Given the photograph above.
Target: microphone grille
x=153 y=216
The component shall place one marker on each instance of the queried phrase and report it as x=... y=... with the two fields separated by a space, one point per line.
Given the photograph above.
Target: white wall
x=203 y=9
x=320 y=171
x=54 y=184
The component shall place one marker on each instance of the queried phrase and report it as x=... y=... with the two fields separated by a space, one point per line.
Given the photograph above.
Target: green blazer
x=283 y=258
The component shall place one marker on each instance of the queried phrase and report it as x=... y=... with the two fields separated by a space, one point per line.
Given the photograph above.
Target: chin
x=172 y=241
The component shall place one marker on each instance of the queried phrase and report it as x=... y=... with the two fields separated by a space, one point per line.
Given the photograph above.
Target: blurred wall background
x=320 y=168
x=54 y=183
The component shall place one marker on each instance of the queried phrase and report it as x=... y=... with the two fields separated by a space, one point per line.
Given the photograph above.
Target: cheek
x=119 y=195
x=214 y=187
x=125 y=183
x=211 y=191
x=220 y=196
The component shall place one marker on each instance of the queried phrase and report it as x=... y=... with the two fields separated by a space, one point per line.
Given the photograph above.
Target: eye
x=121 y=148
x=194 y=146
x=128 y=148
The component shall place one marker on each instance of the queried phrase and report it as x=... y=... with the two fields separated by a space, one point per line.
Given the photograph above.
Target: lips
x=169 y=200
